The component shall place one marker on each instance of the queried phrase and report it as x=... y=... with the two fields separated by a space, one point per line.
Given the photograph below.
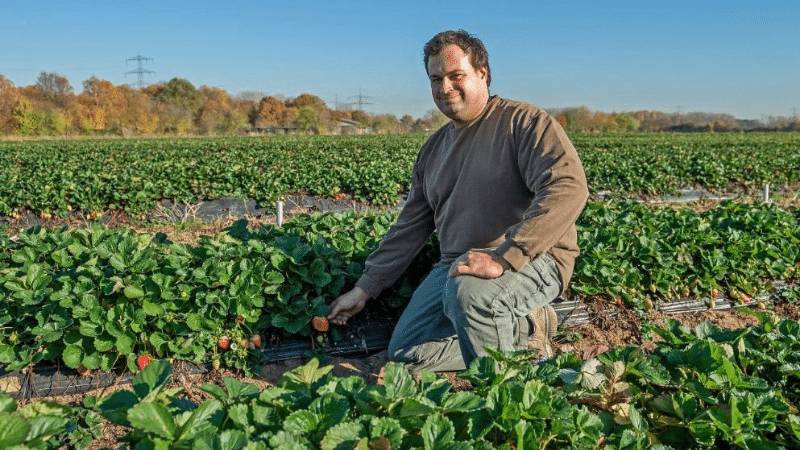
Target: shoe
x=544 y=324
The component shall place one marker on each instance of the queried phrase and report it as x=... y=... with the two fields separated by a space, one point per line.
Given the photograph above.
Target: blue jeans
x=450 y=320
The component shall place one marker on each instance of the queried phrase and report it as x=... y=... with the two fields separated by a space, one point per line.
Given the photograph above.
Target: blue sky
x=720 y=56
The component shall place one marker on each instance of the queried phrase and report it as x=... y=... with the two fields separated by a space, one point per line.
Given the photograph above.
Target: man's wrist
x=502 y=261
x=361 y=293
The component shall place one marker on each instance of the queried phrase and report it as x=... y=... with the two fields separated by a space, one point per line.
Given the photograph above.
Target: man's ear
x=483 y=73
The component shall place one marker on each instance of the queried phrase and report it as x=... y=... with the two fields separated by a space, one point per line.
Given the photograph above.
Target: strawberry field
x=94 y=298
x=60 y=177
x=99 y=301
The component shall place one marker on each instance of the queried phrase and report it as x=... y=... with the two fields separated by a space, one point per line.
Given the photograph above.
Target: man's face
x=459 y=90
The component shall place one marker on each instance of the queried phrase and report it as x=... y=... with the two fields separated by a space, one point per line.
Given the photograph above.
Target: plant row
x=56 y=177
x=95 y=298
x=701 y=388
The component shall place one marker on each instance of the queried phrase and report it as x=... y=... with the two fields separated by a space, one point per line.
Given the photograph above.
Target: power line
x=361 y=100
x=140 y=71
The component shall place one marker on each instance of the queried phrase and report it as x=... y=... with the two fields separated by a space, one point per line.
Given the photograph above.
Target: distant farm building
x=347 y=126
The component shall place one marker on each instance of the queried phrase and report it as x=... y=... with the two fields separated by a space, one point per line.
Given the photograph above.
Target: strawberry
x=320 y=323
x=255 y=340
x=142 y=361
x=215 y=363
x=244 y=343
x=223 y=343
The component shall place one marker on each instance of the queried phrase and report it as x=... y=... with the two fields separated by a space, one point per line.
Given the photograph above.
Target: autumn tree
x=308 y=119
x=271 y=112
x=54 y=88
x=8 y=102
x=321 y=118
x=102 y=106
x=309 y=100
x=217 y=114
x=178 y=102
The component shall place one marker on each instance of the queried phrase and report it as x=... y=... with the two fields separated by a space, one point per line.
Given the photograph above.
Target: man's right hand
x=348 y=305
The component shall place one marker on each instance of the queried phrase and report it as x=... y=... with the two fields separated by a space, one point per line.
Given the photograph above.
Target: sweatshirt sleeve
x=403 y=241
x=552 y=170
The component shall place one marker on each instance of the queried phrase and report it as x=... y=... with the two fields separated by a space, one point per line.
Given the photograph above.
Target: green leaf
x=387 y=427
x=7 y=403
x=152 y=418
x=72 y=355
x=398 y=382
x=462 y=402
x=13 y=430
x=274 y=278
x=636 y=419
x=301 y=422
x=200 y=420
x=304 y=375
x=437 y=432
x=152 y=309
x=133 y=292
x=103 y=344
x=152 y=378
x=238 y=390
x=410 y=407
x=115 y=407
x=342 y=436
x=124 y=344
x=43 y=427
x=289 y=441
x=232 y=440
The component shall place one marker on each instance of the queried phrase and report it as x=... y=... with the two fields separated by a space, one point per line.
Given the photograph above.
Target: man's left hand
x=481 y=264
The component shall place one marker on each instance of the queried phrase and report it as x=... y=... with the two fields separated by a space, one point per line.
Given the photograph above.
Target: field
x=87 y=297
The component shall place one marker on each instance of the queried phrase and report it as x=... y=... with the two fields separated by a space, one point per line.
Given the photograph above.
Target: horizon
x=736 y=58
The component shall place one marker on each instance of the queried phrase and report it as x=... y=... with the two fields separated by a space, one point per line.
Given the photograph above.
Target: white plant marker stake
x=766 y=193
x=280 y=213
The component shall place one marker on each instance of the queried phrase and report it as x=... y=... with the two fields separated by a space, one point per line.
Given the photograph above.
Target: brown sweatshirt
x=509 y=179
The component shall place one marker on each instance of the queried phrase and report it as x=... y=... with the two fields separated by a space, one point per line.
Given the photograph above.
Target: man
x=503 y=186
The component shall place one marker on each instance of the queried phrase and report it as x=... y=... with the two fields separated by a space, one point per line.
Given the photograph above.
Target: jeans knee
x=463 y=296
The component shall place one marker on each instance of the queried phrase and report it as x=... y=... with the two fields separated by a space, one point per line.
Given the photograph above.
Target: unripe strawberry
x=255 y=340
x=215 y=363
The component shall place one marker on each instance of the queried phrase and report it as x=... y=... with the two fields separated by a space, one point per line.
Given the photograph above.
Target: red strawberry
x=320 y=323
x=142 y=361
x=224 y=343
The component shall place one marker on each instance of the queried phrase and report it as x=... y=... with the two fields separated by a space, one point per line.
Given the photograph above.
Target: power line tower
x=361 y=100
x=140 y=71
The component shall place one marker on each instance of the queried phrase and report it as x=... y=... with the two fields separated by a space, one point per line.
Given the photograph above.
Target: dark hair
x=471 y=45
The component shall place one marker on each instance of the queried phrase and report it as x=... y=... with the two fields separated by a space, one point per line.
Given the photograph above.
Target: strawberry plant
x=705 y=387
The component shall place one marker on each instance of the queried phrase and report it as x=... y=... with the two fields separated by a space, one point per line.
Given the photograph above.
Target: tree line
x=50 y=107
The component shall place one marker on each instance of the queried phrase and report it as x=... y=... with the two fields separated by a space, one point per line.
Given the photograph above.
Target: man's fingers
x=334 y=310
